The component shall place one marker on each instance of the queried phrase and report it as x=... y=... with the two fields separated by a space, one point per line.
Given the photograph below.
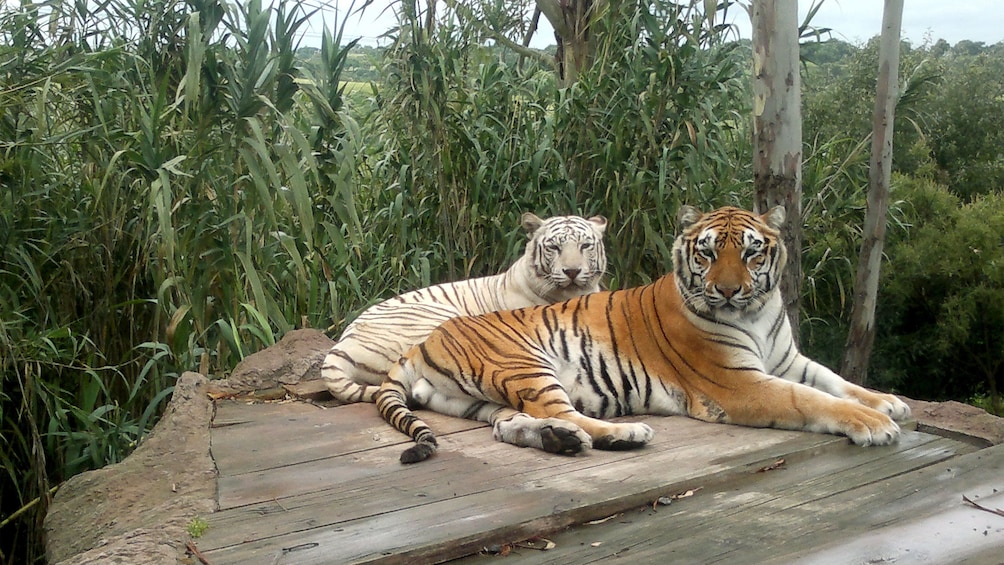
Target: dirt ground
x=138 y=511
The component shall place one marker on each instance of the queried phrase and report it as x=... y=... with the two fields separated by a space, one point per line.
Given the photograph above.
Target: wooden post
x=861 y=336
x=777 y=132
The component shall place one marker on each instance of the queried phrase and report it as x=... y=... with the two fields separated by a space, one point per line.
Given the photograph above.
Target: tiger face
x=728 y=261
x=566 y=253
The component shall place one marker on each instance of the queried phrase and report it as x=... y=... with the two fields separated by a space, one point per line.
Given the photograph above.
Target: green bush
x=941 y=318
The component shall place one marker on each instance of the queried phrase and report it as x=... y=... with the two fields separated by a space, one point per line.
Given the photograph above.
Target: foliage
x=943 y=304
x=171 y=185
x=478 y=140
x=179 y=190
x=932 y=115
x=182 y=183
x=950 y=110
x=839 y=98
x=658 y=120
x=967 y=129
x=197 y=527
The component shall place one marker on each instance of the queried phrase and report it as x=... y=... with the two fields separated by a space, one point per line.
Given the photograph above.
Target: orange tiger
x=710 y=340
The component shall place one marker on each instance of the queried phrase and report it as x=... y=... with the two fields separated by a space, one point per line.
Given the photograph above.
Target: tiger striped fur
x=710 y=340
x=565 y=257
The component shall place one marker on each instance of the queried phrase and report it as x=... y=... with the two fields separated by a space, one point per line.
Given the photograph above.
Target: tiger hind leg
x=552 y=435
x=547 y=404
x=569 y=435
x=336 y=372
x=392 y=403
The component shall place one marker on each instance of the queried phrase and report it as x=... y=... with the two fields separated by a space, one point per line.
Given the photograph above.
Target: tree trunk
x=571 y=21
x=861 y=336
x=777 y=132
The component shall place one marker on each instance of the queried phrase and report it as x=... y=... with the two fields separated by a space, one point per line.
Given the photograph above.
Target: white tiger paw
x=895 y=408
x=551 y=434
x=625 y=436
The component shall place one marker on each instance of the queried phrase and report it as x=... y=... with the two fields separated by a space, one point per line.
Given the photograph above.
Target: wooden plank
x=365 y=506
x=230 y=411
x=256 y=437
x=847 y=498
x=374 y=482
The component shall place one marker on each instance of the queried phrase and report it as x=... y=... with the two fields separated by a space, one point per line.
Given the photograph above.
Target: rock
x=295 y=358
x=958 y=421
x=137 y=511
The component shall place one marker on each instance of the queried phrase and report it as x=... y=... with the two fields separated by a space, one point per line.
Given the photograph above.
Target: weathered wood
x=249 y=438
x=325 y=486
x=844 y=505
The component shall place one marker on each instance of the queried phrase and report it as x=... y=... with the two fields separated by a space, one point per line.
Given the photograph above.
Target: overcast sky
x=854 y=21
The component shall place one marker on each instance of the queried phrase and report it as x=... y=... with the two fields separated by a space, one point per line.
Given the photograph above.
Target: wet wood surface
x=301 y=483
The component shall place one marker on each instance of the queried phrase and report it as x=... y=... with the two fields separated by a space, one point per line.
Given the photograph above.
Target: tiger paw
x=625 y=436
x=550 y=434
x=894 y=407
x=563 y=439
x=871 y=427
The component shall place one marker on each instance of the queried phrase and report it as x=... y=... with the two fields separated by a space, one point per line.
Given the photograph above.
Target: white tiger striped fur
x=564 y=258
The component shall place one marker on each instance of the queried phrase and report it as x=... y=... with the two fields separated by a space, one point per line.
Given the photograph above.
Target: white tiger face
x=567 y=252
x=728 y=261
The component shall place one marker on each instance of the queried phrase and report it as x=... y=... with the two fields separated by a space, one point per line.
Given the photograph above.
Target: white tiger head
x=566 y=254
x=728 y=261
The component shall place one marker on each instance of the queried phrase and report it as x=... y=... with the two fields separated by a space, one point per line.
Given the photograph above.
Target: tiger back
x=564 y=257
x=710 y=340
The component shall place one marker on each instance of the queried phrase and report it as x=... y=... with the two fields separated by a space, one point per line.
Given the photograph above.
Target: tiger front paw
x=888 y=404
x=894 y=407
x=870 y=427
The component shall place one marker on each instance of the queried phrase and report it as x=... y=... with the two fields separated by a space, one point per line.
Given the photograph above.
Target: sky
x=854 y=21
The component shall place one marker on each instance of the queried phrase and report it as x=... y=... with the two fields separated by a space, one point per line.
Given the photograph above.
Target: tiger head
x=728 y=261
x=566 y=255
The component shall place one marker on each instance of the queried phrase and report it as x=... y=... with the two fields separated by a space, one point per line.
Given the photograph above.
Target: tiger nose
x=571 y=273
x=727 y=291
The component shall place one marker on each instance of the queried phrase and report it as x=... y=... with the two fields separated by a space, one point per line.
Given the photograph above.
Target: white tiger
x=564 y=258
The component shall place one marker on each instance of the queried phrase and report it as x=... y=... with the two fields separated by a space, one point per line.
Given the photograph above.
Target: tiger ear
x=531 y=222
x=687 y=216
x=774 y=217
x=599 y=222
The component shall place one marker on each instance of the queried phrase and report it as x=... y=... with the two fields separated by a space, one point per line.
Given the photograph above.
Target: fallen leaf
x=775 y=465
x=667 y=500
x=686 y=494
x=596 y=544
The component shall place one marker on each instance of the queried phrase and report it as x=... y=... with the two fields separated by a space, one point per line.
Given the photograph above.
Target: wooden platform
x=303 y=484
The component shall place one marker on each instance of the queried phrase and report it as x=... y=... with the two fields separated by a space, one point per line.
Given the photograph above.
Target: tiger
x=710 y=340
x=564 y=257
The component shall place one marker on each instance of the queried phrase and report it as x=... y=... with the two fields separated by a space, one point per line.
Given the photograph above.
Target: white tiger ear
x=774 y=217
x=531 y=222
x=600 y=223
x=687 y=216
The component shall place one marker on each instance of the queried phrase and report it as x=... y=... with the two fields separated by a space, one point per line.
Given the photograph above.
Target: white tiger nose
x=571 y=273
